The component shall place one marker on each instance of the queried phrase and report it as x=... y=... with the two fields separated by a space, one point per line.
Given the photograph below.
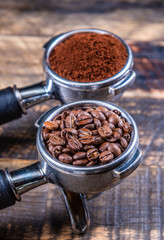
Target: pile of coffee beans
x=87 y=137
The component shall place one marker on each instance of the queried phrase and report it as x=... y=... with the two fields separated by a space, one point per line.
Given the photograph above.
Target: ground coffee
x=87 y=137
x=88 y=57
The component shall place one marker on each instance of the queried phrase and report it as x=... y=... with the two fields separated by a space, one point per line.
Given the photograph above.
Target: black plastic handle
x=7 y=197
x=9 y=106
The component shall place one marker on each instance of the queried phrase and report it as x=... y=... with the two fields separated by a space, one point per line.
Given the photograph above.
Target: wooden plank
x=132 y=210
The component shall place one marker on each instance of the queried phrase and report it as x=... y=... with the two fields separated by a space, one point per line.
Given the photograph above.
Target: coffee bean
x=119 y=130
x=74 y=143
x=67 y=150
x=87 y=139
x=121 y=122
x=81 y=162
x=98 y=140
x=89 y=110
x=56 y=151
x=97 y=122
x=92 y=154
x=91 y=163
x=99 y=115
x=79 y=155
x=108 y=114
x=117 y=112
x=114 y=148
x=83 y=113
x=87 y=147
x=74 y=113
x=116 y=135
x=62 y=124
x=65 y=158
x=64 y=114
x=110 y=125
x=123 y=142
x=119 y=145
x=105 y=131
x=90 y=126
x=114 y=118
x=56 y=140
x=95 y=132
x=102 y=109
x=103 y=147
x=84 y=132
x=106 y=157
x=83 y=120
x=126 y=136
x=70 y=121
x=51 y=125
x=45 y=133
x=127 y=128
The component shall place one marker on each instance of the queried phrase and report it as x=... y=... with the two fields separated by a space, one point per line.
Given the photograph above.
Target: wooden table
x=132 y=210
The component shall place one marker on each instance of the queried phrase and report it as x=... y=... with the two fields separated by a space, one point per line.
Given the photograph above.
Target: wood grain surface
x=135 y=208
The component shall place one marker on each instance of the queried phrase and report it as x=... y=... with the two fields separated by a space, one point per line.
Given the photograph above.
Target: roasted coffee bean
x=74 y=143
x=62 y=124
x=99 y=115
x=104 y=122
x=56 y=140
x=87 y=139
x=89 y=109
x=127 y=127
x=108 y=114
x=114 y=118
x=79 y=155
x=106 y=157
x=116 y=135
x=105 y=131
x=45 y=133
x=51 y=125
x=121 y=122
x=114 y=148
x=70 y=121
x=110 y=125
x=67 y=133
x=74 y=113
x=119 y=130
x=92 y=154
x=102 y=109
x=95 y=132
x=90 y=126
x=87 y=147
x=123 y=142
x=83 y=113
x=83 y=120
x=58 y=117
x=67 y=150
x=65 y=158
x=112 y=139
x=119 y=145
x=103 y=147
x=64 y=114
x=126 y=136
x=84 y=132
x=117 y=112
x=97 y=122
x=81 y=162
x=98 y=140
x=91 y=163
x=56 y=151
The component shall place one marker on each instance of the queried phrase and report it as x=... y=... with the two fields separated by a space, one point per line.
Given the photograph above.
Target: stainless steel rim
x=62 y=81
x=54 y=163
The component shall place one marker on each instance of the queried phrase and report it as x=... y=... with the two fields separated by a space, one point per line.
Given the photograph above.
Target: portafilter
x=15 y=101
x=77 y=183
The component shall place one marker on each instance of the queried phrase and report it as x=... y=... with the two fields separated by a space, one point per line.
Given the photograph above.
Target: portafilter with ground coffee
x=15 y=101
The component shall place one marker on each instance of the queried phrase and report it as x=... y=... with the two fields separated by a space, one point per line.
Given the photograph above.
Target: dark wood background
x=135 y=208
